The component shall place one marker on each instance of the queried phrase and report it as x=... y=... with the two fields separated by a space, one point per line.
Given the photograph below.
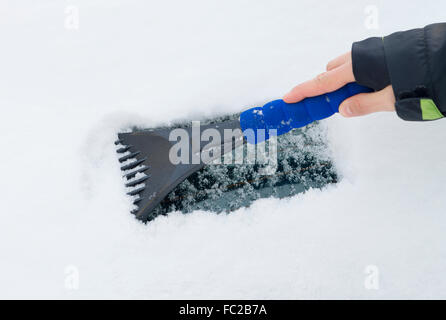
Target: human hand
x=339 y=73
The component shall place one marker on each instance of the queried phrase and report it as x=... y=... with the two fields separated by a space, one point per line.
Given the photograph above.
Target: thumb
x=366 y=103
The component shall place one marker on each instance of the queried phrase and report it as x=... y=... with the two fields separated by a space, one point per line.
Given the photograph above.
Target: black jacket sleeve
x=414 y=62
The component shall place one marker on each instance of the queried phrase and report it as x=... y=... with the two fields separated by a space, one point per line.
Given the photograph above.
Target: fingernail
x=346 y=109
x=286 y=96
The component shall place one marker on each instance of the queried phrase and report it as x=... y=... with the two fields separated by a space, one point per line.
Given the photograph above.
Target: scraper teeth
x=133 y=173
x=137 y=181
x=119 y=141
x=133 y=164
x=137 y=200
x=124 y=149
x=129 y=156
x=136 y=191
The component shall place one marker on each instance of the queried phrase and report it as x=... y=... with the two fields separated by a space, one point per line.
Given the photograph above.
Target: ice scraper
x=145 y=155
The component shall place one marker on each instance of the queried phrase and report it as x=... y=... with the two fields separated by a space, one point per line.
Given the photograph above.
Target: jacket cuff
x=409 y=57
x=417 y=109
x=406 y=56
x=369 y=63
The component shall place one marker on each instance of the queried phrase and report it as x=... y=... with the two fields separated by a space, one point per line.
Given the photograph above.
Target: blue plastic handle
x=284 y=117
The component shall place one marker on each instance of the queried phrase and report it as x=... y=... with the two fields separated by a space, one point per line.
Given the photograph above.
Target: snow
x=64 y=213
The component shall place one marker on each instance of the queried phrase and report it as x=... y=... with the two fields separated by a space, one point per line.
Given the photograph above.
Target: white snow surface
x=66 y=93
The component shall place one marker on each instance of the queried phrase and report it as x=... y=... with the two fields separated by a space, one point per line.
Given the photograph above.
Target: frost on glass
x=303 y=163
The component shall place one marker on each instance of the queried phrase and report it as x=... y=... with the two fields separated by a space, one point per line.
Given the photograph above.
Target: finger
x=326 y=82
x=366 y=103
x=346 y=57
